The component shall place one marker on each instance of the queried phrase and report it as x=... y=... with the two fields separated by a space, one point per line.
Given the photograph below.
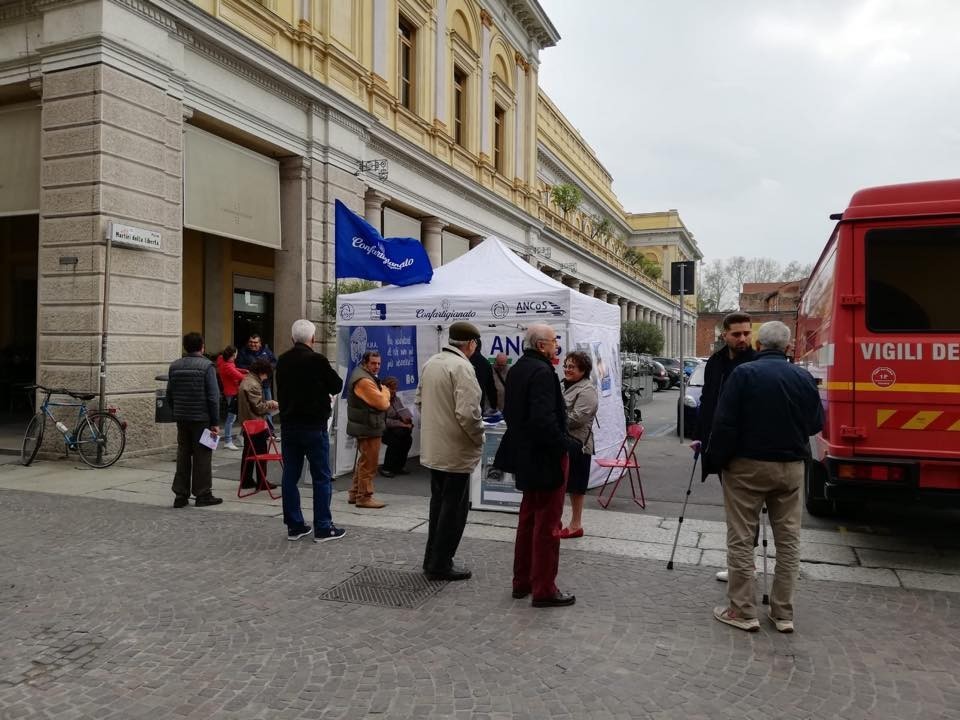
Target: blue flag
x=363 y=253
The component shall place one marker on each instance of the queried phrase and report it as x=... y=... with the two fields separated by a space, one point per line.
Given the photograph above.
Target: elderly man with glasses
x=535 y=449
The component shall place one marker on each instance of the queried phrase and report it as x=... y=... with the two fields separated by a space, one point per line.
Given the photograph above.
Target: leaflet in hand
x=208 y=439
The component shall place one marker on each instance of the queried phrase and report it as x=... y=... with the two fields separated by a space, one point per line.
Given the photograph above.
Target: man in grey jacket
x=451 y=437
x=195 y=398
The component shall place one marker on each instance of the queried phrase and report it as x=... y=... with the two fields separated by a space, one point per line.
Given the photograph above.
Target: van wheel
x=814 y=481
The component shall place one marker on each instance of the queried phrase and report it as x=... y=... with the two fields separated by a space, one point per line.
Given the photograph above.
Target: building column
x=624 y=310
x=587 y=289
x=631 y=311
x=290 y=262
x=83 y=187
x=600 y=294
x=570 y=282
x=373 y=208
x=432 y=228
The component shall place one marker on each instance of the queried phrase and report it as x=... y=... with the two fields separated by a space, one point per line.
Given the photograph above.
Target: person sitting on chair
x=398 y=436
x=252 y=406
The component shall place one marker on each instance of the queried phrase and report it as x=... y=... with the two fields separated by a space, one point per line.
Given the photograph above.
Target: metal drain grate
x=384 y=587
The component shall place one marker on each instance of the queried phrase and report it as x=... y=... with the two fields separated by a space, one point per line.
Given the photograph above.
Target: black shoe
x=205 y=500
x=520 y=594
x=558 y=600
x=387 y=473
x=181 y=501
x=452 y=575
x=295 y=533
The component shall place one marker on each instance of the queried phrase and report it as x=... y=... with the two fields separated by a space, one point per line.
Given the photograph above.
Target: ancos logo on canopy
x=539 y=307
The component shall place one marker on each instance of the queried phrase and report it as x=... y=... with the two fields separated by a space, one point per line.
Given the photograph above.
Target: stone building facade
x=227 y=129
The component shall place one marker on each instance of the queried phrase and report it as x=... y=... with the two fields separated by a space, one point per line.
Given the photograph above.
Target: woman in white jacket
x=582 y=402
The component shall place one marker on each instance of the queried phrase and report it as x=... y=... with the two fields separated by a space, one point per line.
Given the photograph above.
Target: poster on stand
x=490 y=488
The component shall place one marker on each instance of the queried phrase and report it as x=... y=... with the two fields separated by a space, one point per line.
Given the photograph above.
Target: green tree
x=640 y=337
x=566 y=196
x=328 y=301
x=601 y=227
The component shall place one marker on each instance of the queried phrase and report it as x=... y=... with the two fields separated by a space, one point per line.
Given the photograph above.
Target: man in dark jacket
x=737 y=328
x=255 y=349
x=768 y=411
x=305 y=382
x=194 y=395
x=534 y=448
x=488 y=389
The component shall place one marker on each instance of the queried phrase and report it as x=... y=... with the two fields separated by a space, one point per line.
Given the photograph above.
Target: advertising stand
x=502 y=295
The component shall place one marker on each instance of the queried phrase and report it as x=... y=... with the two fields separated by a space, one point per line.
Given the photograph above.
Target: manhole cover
x=384 y=587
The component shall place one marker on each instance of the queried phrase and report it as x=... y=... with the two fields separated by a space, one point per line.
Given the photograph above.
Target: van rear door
x=906 y=339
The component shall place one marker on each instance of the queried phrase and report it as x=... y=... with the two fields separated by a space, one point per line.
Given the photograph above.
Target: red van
x=879 y=328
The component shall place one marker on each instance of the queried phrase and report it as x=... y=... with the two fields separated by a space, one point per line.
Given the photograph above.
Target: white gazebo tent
x=494 y=289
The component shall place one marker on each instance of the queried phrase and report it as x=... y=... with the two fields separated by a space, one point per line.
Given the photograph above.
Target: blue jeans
x=314 y=444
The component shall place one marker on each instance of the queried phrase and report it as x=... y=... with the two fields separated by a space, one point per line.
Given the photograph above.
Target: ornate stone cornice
x=535 y=21
x=486 y=19
x=521 y=61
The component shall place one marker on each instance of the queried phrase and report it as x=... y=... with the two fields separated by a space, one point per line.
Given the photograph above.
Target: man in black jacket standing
x=305 y=382
x=534 y=449
x=194 y=395
x=737 y=329
x=488 y=389
x=768 y=411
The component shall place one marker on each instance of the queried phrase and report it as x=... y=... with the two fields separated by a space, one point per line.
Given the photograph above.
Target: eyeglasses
x=570 y=366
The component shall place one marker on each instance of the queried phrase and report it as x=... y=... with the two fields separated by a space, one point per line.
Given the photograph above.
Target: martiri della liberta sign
x=133 y=237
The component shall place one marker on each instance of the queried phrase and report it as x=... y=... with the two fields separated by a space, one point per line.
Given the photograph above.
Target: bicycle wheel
x=98 y=448
x=32 y=439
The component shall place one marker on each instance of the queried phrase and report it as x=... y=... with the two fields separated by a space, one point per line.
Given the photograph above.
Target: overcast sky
x=757 y=119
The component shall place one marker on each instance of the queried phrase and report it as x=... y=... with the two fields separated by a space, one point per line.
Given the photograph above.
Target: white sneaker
x=724 y=575
x=730 y=617
x=784 y=626
x=230 y=446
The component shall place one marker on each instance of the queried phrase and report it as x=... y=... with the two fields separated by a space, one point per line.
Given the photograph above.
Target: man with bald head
x=534 y=448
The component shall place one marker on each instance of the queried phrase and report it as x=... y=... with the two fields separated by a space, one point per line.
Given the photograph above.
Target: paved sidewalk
x=130 y=611
x=926 y=561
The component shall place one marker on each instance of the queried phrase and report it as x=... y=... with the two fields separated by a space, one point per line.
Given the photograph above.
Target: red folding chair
x=626 y=461
x=249 y=429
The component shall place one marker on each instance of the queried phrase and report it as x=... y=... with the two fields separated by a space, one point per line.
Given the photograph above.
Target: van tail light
x=891 y=473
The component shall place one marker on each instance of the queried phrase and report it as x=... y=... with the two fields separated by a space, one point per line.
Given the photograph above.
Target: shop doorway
x=19 y=240
x=252 y=314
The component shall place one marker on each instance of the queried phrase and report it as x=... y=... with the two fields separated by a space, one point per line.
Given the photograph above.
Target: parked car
x=674 y=369
x=691 y=401
x=660 y=376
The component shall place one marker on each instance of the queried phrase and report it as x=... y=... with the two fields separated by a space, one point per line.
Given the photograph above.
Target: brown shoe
x=352 y=499
x=371 y=503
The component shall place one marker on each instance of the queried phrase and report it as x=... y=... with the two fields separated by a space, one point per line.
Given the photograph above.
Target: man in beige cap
x=451 y=437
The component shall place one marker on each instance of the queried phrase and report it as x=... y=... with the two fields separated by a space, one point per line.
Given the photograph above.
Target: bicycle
x=99 y=438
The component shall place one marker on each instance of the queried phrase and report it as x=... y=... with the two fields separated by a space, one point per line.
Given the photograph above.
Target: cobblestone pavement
x=122 y=610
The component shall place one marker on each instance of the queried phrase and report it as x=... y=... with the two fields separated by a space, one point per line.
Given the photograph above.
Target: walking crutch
x=763 y=522
x=676 y=537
